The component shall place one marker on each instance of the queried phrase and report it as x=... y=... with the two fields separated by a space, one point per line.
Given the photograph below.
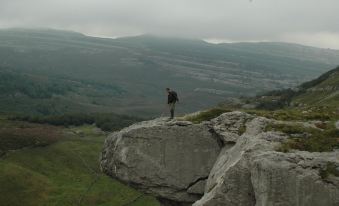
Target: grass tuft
x=330 y=169
x=307 y=139
x=242 y=129
x=207 y=115
x=316 y=113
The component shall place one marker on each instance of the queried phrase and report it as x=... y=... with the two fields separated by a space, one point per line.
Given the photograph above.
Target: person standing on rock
x=171 y=100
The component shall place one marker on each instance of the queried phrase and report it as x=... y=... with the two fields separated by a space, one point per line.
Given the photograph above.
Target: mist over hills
x=128 y=75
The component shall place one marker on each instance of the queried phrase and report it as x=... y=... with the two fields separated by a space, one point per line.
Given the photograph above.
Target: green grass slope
x=319 y=93
x=65 y=172
x=323 y=91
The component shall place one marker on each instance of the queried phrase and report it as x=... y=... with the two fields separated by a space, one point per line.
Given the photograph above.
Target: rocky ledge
x=229 y=161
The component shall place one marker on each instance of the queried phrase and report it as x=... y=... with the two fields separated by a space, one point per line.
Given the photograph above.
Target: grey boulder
x=228 y=161
x=170 y=160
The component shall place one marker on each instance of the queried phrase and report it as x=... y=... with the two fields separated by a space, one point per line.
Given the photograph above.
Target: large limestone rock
x=170 y=160
x=228 y=161
x=229 y=182
x=293 y=179
x=252 y=173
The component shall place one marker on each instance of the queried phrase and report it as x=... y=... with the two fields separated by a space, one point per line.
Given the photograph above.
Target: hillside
x=127 y=75
x=26 y=93
x=323 y=91
x=308 y=113
x=46 y=165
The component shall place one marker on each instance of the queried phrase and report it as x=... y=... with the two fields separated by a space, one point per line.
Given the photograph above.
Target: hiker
x=172 y=99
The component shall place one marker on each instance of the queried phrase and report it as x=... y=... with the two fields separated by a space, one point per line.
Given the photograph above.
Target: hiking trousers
x=172 y=108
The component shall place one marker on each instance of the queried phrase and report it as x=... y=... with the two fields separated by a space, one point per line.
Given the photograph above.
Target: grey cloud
x=235 y=20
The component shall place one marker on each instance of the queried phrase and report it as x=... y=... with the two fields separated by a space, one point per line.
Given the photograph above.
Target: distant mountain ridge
x=141 y=67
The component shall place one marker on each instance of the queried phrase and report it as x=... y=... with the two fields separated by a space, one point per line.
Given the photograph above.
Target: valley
x=128 y=75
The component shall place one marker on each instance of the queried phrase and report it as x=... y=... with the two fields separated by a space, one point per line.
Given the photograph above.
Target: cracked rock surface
x=252 y=173
x=228 y=161
x=170 y=160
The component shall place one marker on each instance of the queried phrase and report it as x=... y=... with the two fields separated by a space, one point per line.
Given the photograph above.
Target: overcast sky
x=310 y=22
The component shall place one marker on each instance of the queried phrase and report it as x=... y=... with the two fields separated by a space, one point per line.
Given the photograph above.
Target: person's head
x=168 y=90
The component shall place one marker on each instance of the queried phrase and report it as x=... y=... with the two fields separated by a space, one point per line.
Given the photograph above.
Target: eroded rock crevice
x=197 y=186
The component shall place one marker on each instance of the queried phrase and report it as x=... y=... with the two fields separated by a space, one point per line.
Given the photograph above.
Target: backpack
x=173 y=97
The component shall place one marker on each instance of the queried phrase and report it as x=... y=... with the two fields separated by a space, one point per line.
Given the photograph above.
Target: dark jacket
x=172 y=97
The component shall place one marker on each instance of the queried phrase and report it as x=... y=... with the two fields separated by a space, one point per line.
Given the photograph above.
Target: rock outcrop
x=170 y=160
x=229 y=161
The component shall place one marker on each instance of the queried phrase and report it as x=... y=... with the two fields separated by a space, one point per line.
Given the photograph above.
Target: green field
x=65 y=172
